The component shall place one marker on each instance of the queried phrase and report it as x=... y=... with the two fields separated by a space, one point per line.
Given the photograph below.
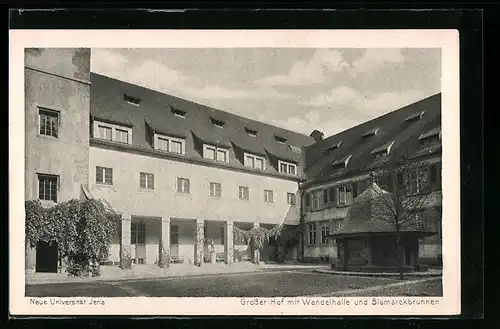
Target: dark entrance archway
x=46 y=257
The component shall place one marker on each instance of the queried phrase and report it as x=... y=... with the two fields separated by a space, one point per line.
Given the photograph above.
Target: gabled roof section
x=156 y=111
x=391 y=126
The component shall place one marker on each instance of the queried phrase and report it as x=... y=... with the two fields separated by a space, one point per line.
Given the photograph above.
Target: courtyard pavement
x=277 y=282
x=142 y=272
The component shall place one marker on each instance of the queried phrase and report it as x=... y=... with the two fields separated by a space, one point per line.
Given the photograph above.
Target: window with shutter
x=325 y=196
x=308 y=199
x=332 y=194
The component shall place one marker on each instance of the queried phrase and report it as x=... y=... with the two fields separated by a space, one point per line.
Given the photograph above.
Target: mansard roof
x=392 y=126
x=155 y=112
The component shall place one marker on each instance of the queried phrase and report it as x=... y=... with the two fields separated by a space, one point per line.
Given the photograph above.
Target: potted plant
x=211 y=250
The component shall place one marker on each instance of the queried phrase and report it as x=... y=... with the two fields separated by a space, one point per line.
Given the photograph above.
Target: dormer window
x=112 y=132
x=333 y=147
x=370 y=133
x=342 y=163
x=215 y=153
x=415 y=117
x=430 y=137
x=383 y=150
x=251 y=132
x=169 y=144
x=287 y=168
x=217 y=123
x=179 y=113
x=280 y=139
x=131 y=100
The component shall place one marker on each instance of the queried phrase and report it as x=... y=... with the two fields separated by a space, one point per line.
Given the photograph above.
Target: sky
x=300 y=89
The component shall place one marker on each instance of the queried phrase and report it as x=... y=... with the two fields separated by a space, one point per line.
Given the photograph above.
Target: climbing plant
x=82 y=229
x=257 y=237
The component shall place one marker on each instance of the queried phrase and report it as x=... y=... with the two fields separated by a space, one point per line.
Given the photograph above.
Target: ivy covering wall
x=82 y=229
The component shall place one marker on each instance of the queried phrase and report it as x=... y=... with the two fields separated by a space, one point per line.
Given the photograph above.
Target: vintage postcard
x=311 y=172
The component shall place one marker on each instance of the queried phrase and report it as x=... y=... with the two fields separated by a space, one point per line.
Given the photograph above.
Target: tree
x=82 y=229
x=406 y=190
x=256 y=238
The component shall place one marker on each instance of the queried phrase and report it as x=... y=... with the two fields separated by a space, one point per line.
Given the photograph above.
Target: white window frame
x=138 y=232
x=243 y=193
x=288 y=166
x=254 y=161
x=52 y=113
x=104 y=169
x=316 y=199
x=183 y=189
x=268 y=196
x=415 y=179
x=342 y=195
x=169 y=139
x=149 y=181
x=56 y=186
x=325 y=231
x=113 y=127
x=216 y=150
x=311 y=234
x=291 y=199
x=214 y=188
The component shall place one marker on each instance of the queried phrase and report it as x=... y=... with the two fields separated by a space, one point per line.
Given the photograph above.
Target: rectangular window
x=332 y=194
x=104 y=175
x=287 y=168
x=316 y=200
x=325 y=196
x=249 y=161
x=325 y=231
x=416 y=180
x=176 y=147
x=47 y=187
x=268 y=196
x=105 y=133
x=311 y=233
x=254 y=161
x=174 y=234
x=210 y=153
x=182 y=185
x=290 y=198
x=215 y=190
x=49 y=123
x=162 y=144
x=221 y=155
x=138 y=233
x=147 y=180
x=344 y=195
x=121 y=136
x=215 y=153
x=169 y=144
x=259 y=163
x=243 y=193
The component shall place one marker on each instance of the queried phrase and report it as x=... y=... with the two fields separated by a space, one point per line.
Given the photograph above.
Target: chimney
x=317 y=135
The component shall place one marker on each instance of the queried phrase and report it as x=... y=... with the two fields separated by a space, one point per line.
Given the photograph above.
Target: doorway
x=46 y=257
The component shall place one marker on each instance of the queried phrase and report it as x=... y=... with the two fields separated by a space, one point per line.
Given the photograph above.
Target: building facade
x=180 y=172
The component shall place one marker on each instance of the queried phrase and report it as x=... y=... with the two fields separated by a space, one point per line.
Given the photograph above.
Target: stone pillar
x=125 y=248
x=229 y=242
x=200 y=238
x=164 y=252
x=256 y=252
